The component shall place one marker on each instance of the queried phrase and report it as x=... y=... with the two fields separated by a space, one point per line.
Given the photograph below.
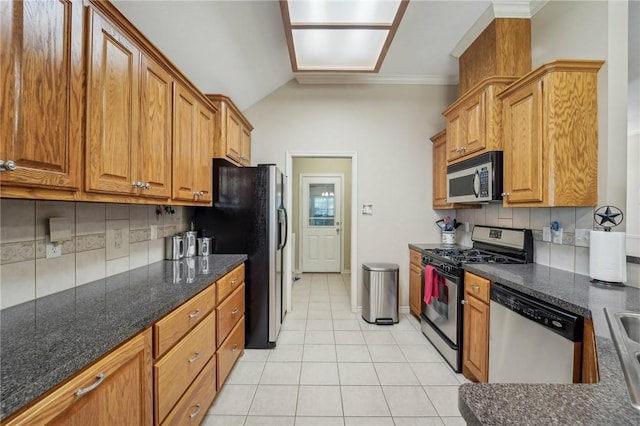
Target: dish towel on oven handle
x=430 y=283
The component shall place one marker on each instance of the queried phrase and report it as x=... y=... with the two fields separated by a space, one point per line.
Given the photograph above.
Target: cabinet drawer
x=415 y=257
x=229 y=352
x=477 y=286
x=177 y=369
x=194 y=404
x=171 y=328
x=230 y=282
x=229 y=313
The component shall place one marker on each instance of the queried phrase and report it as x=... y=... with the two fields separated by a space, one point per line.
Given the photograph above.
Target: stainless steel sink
x=631 y=324
x=625 y=330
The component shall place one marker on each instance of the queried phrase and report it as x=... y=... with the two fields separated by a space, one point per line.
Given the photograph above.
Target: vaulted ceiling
x=238 y=47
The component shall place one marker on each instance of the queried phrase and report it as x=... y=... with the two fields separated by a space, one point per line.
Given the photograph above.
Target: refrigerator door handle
x=286 y=227
x=282 y=214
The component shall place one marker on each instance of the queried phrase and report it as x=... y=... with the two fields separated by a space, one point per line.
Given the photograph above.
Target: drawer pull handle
x=195 y=412
x=235 y=348
x=194 y=357
x=235 y=311
x=99 y=379
x=194 y=313
x=475 y=287
x=234 y=281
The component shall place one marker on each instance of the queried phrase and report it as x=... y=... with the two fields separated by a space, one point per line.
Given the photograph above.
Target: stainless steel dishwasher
x=531 y=341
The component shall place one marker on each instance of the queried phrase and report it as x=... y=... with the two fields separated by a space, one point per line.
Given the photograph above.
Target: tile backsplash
x=106 y=239
x=567 y=256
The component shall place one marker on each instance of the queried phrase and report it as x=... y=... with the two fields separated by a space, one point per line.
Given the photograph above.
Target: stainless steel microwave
x=476 y=180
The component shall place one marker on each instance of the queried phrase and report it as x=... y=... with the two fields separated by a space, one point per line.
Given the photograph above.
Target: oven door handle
x=453 y=278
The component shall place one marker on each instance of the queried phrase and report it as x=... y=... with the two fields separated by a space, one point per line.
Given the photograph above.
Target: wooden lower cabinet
x=115 y=390
x=229 y=351
x=475 y=345
x=175 y=371
x=415 y=282
x=194 y=404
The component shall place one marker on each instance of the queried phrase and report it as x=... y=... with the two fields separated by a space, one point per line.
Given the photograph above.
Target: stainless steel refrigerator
x=248 y=216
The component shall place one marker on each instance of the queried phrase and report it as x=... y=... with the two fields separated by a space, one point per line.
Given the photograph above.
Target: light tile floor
x=330 y=367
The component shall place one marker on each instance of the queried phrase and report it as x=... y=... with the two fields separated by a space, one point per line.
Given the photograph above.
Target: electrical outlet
x=154 y=232
x=582 y=237
x=546 y=233
x=53 y=249
x=466 y=227
x=556 y=236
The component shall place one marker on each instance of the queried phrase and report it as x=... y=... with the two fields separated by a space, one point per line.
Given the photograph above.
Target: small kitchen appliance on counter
x=441 y=320
x=174 y=247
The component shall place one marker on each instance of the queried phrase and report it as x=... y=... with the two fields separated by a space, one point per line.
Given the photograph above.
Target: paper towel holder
x=607 y=217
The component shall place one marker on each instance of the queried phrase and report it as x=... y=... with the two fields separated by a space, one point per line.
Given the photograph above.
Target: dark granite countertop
x=603 y=403
x=45 y=341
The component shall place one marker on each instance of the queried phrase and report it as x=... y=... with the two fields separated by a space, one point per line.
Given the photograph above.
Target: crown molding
x=355 y=78
x=521 y=9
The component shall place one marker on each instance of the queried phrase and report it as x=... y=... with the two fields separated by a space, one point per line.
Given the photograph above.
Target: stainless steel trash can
x=380 y=293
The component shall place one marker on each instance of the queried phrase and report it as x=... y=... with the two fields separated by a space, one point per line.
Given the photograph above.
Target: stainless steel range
x=441 y=319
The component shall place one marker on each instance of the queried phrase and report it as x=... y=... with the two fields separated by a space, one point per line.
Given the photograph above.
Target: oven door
x=443 y=310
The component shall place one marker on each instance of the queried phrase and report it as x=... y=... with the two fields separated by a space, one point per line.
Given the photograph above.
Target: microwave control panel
x=482 y=175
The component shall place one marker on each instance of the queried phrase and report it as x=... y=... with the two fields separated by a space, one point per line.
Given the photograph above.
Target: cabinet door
x=440 y=174
x=245 y=146
x=455 y=135
x=152 y=158
x=233 y=135
x=415 y=289
x=42 y=105
x=123 y=396
x=112 y=109
x=185 y=111
x=475 y=351
x=203 y=153
x=523 y=153
x=474 y=126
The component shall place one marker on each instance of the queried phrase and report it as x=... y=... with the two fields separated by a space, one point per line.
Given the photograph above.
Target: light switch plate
x=53 y=249
x=367 y=209
x=582 y=237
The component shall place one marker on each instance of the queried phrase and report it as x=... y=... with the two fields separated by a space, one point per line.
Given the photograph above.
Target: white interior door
x=321 y=225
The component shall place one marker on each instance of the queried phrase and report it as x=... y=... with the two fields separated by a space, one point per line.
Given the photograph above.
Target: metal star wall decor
x=608 y=215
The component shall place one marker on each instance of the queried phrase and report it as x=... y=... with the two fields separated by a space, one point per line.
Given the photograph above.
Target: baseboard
x=346 y=271
x=404 y=310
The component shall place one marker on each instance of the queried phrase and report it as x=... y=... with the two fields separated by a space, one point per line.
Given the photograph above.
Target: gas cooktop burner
x=458 y=255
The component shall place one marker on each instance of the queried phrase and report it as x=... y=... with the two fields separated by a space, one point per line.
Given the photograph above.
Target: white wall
x=388 y=126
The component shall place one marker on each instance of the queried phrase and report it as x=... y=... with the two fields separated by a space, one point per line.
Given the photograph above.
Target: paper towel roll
x=607 y=256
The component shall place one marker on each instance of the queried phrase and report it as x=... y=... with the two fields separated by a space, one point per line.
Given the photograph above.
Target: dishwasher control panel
x=556 y=319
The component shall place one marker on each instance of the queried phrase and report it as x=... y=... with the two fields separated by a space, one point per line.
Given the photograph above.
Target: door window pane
x=321 y=204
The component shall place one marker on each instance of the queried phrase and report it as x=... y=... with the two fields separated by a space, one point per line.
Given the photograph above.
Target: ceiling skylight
x=340 y=35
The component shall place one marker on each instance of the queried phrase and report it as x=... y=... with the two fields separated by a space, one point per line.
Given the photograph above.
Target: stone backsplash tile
x=17 y=252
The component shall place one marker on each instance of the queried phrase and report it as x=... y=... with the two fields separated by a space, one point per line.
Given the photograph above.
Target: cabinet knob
x=146 y=185
x=464 y=302
x=137 y=184
x=196 y=193
x=7 y=166
x=475 y=287
x=505 y=194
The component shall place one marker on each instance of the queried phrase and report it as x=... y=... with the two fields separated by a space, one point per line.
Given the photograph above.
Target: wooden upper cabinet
x=116 y=390
x=440 y=171
x=42 y=95
x=193 y=129
x=152 y=159
x=112 y=108
x=551 y=136
x=474 y=120
x=233 y=135
x=203 y=153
